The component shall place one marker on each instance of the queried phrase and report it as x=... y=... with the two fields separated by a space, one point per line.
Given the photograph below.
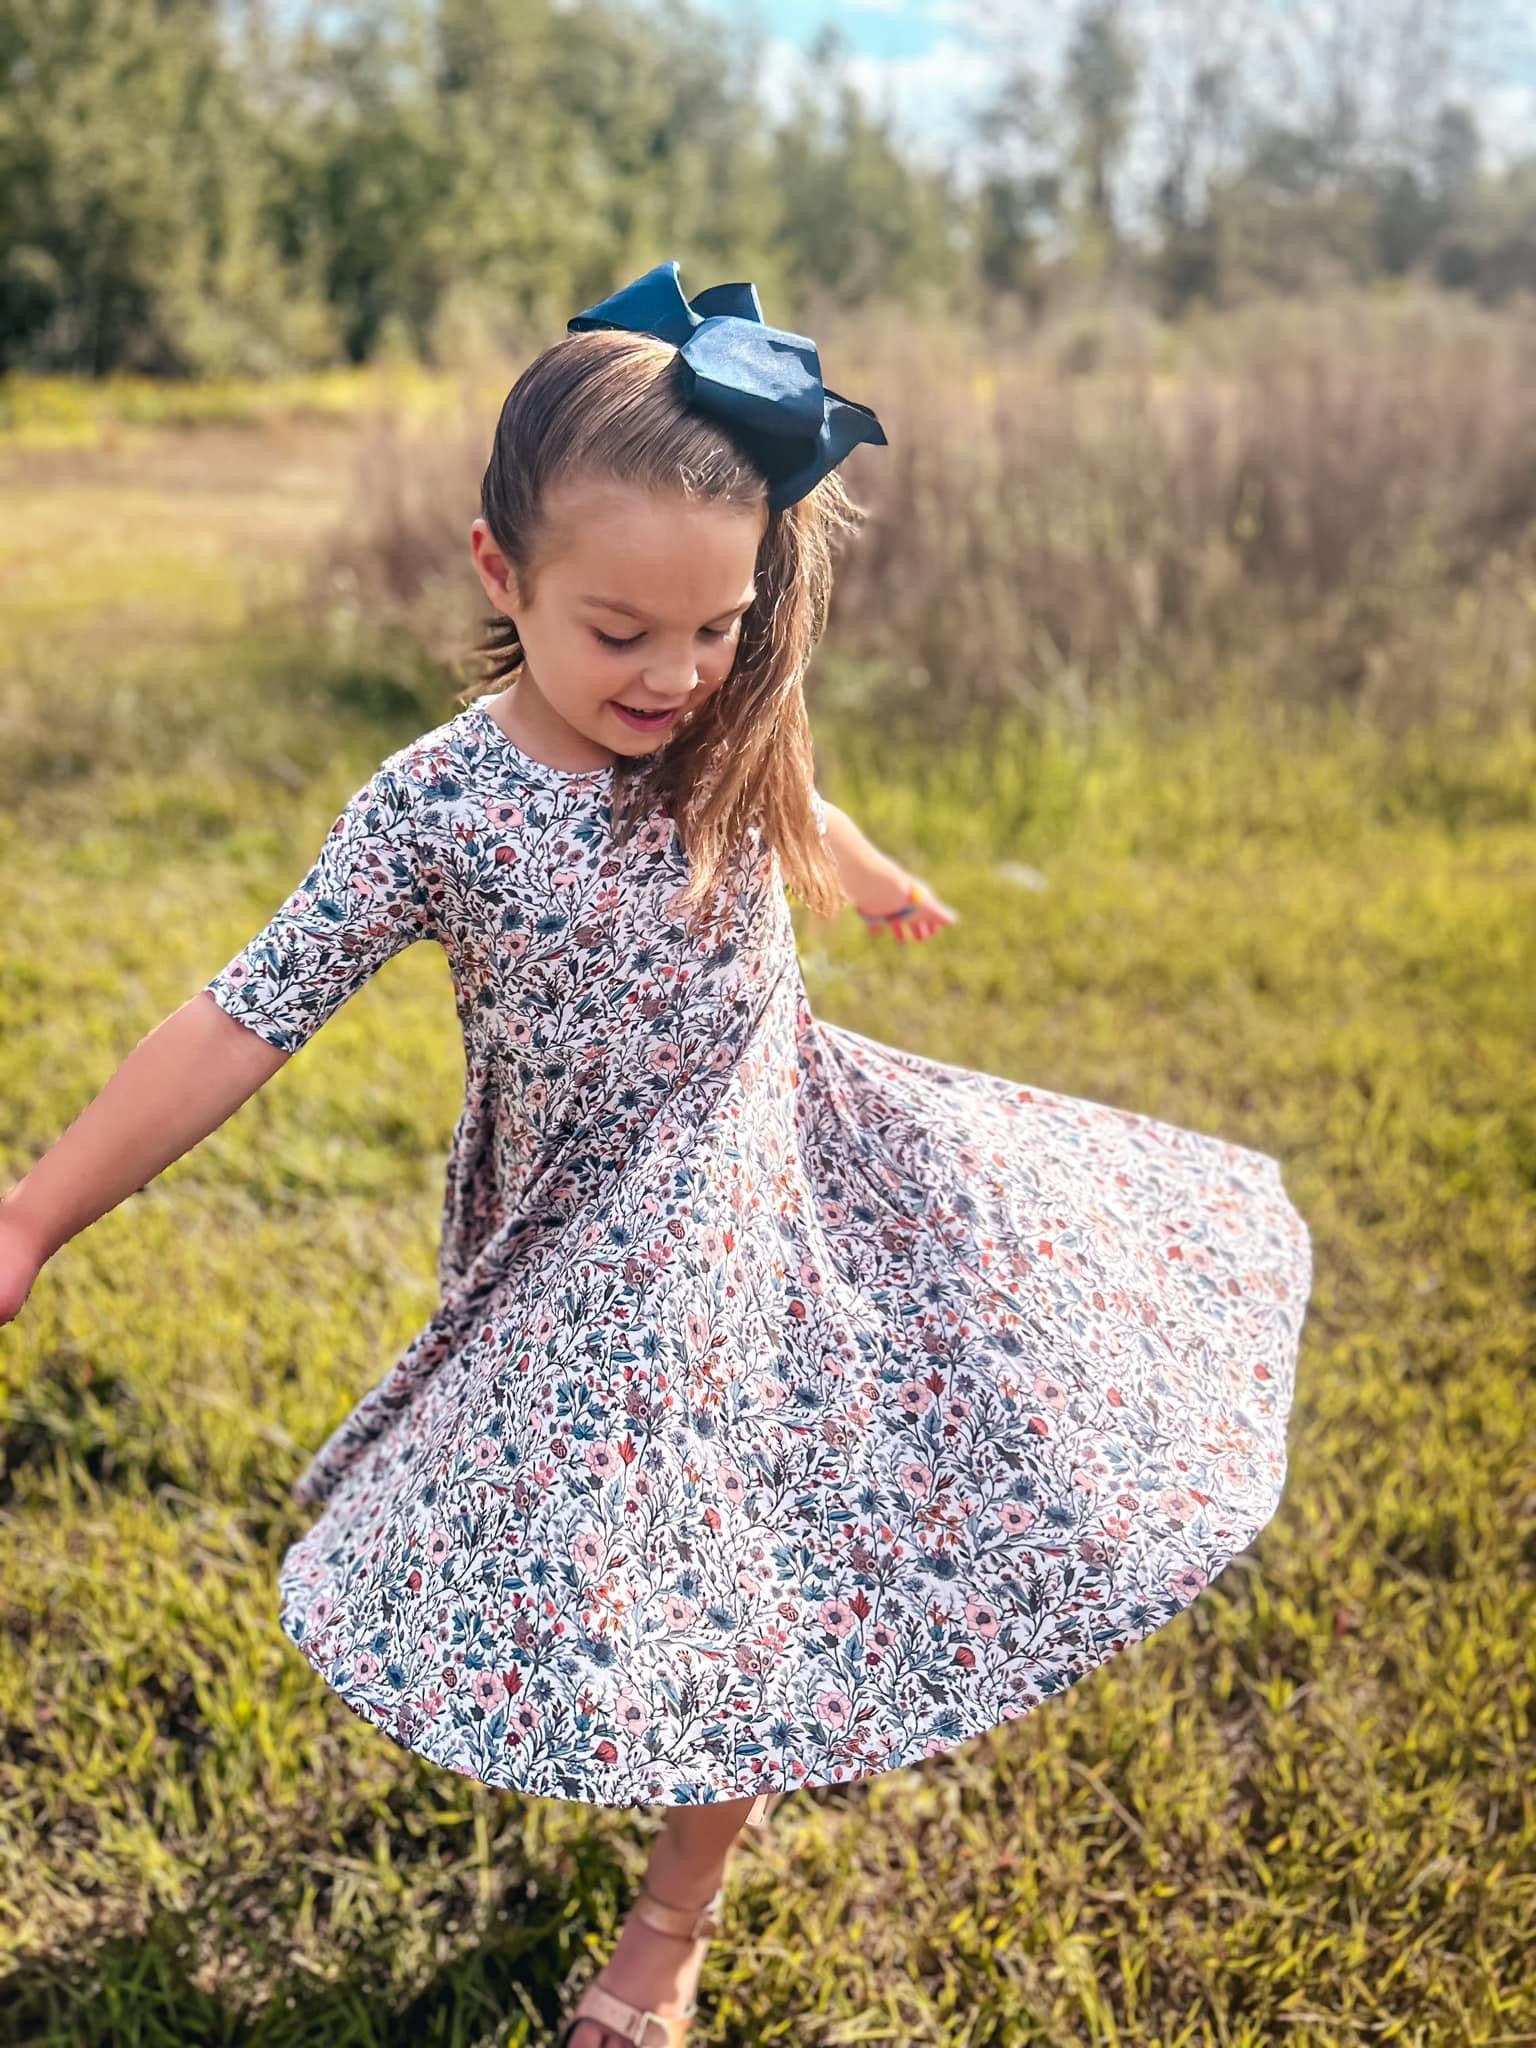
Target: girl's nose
x=668 y=685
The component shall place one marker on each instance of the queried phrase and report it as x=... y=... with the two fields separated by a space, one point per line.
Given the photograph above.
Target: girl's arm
x=367 y=895
x=178 y=1084
x=878 y=886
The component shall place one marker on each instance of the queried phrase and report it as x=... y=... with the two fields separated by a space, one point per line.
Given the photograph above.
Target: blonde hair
x=607 y=404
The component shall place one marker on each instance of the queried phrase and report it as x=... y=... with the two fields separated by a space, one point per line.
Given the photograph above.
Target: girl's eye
x=608 y=640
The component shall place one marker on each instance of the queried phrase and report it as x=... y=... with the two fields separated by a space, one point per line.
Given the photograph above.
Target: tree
x=1100 y=89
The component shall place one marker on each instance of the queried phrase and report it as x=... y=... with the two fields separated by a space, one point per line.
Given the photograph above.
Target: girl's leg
x=687 y=1865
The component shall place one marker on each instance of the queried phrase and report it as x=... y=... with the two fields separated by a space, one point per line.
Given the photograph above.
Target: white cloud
x=1506 y=114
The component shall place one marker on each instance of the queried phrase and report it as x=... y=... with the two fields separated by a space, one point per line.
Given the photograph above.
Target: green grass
x=1301 y=1813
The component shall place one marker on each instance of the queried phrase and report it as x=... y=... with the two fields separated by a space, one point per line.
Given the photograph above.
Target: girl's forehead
x=634 y=536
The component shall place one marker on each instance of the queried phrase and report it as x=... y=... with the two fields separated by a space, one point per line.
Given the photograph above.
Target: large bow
x=763 y=382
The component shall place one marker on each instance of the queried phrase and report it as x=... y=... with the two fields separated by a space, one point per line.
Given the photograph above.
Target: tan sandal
x=638 y=2024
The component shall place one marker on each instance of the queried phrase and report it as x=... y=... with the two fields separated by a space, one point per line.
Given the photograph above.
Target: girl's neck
x=528 y=723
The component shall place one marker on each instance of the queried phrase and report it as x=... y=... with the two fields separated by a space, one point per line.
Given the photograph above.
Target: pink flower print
x=837 y=1617
x=916 y=1478
x=629 y=1714
x=321 y=1611
x=1178 y=1505
x=880 y=1637
x=603 y=1461
x=519 y=1032
x=499 y=812
x=1188 y=1582
x=982 y=1616
x=697 y=1328
x=732 y=1484
x=722 y=1056
x=1235 y=1471
x=812 y=1277
x=833 y=1707
x=587 y=1551
x=748 y=1583
x=543 y=1327
x=237 y=973
x=1084 y=1480
x=427 y=1643
x=679 y=1612
x=365 y=1667
x=834 y=1213
x=1015 y=1517
x=487 y=1690
x=957 y=1408
x=438 y=1546
x=487 y=1451
x=772 y=1392
x=1052 y=1392
x=524 y=1719
x=640 y=1486
x=663 y=1058
x=914 y=1397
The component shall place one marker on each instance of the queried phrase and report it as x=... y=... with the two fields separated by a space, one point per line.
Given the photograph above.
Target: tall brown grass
x=1329 y=503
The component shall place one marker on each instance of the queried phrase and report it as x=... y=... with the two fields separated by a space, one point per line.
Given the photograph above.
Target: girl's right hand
x=22 y=1258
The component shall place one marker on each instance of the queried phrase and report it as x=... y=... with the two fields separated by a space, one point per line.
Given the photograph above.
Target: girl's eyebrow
x=612 y=604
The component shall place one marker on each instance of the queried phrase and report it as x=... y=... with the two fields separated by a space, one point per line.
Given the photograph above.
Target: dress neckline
x=540 y=770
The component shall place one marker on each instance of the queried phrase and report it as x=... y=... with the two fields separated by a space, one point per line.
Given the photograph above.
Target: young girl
x=797 y=1407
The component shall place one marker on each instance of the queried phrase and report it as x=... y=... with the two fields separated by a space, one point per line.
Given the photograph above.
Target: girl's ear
x=498 y=578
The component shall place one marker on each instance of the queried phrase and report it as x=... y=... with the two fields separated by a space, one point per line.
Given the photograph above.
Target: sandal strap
x=697 y=1923
x=646 y=2029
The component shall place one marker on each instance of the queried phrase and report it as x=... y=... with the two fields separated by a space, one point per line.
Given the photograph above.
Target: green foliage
x=1301 y=1812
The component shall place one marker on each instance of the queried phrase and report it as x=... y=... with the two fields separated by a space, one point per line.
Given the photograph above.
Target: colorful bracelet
x=875 y=920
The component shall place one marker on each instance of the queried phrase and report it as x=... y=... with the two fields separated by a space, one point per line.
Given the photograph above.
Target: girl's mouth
x=646 y=721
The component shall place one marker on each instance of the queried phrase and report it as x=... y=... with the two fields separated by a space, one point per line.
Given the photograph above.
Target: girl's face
x=638 y=606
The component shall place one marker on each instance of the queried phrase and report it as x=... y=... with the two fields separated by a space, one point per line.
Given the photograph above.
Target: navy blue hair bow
x=763 y=382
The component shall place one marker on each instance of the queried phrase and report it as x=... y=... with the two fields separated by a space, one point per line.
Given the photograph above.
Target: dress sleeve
x=365 y=899
x=819 y=806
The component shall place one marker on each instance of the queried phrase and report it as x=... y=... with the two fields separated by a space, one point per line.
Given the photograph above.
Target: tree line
x=190 y=188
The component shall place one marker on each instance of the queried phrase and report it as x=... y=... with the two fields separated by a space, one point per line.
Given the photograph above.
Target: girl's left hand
x=911 y=910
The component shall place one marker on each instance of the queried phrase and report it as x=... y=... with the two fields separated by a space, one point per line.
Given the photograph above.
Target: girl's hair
x=607 y=404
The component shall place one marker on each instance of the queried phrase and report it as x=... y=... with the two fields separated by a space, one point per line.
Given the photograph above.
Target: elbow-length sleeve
x=365 y=899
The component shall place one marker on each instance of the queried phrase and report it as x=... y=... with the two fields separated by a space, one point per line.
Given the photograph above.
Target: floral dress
x=796 y=1406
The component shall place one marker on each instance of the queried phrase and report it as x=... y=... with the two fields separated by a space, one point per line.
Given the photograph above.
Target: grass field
x=1304 y=1812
